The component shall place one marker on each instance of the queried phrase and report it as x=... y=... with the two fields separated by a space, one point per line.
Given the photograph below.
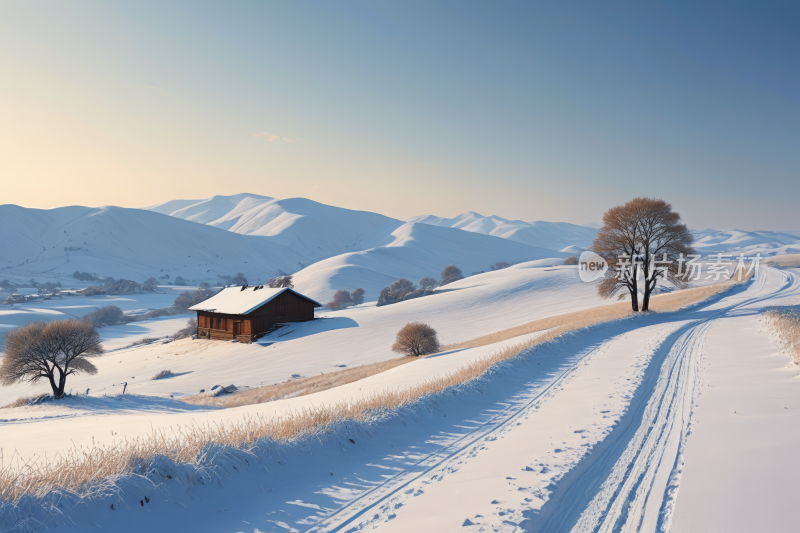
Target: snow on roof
x=235 y=301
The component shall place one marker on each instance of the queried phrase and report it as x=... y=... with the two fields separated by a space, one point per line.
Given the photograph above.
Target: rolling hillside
x=556 y=236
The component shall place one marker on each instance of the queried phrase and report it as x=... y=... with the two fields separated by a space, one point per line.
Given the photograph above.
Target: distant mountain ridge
x=557 y=236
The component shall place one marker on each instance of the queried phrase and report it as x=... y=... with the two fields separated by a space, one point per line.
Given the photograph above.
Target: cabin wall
x=286 y=307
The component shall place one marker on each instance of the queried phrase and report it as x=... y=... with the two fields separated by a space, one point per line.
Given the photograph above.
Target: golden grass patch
x=298 y=387
x=785 y=322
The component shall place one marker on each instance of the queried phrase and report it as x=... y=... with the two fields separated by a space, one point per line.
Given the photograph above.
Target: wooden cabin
x=244 y=312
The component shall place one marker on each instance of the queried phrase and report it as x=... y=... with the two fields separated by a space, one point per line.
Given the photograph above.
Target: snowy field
x=620 y=424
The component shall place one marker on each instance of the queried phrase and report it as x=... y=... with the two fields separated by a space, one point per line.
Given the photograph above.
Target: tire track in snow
x=629 y=482
x=632 y=464
x=349 y=514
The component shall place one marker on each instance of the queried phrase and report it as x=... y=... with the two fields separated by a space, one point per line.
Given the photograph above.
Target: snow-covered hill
x=295 y=233
x=129 y=243
x=416 y=251
x=550 y=235
x=748 y=242
x=314 y=230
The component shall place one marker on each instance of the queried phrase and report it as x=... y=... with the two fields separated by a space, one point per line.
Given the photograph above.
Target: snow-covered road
x=628 y=481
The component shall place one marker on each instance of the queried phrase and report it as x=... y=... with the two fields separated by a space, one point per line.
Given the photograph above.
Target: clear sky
x=534 y=110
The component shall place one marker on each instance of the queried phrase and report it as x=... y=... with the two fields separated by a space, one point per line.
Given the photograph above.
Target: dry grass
x=298 y=387
x=25 y=400
x=146 y=340
x=83 y=470
x=785 y=261
x=580 y=319
x=163 y=374
x=785 y=321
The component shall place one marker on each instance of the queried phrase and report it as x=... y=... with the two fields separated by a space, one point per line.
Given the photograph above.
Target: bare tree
x=281 y=282
x=238 y=279
x=571 y=260
x=416 y=338
x=450 y=274
x=642 y=239
x=500 y=265
x=53 y=351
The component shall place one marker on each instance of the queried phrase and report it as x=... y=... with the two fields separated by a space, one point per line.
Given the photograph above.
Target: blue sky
x=528 y=110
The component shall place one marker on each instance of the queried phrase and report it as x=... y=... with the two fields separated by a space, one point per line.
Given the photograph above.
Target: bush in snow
x=357 y=296
x=163 y=374
x=416 y=338
x=92 y=291
x=104 y=316
x=500 y=265
x=204 y=285
x=396 y=292
x=150 y=285
x=239 y=279
x=450 y=274
x=188 y=331
x=189 y=298
x=571 y=260
x=416 y=294
x=180 y=281
x=385 y=297
x=84 y=276
x=281 y=282
x=428 y=283
x=340 y=300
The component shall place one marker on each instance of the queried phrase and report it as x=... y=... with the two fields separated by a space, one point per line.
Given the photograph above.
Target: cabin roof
x=238 y=301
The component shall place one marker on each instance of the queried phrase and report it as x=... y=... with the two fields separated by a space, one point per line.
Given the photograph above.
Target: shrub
x=500 y=265
x=150 y=285
x=204 y=285
x=340 y=300
x=428 y=283
x=239 y=279
x=163 y=374
x=281 y=282
x=188 y=331
x=179 y=281
x=84 y=276
x=104 y=316
x=416 y=294
x=571 y=260
x=450 y=274
x=416 y=338
x=189 y=298
x=357 y=296
x=400 y=288
x=385 y=297
x=92 y=291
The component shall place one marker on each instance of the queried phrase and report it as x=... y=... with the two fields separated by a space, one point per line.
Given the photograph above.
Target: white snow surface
x=550 y=235
x=625 y=426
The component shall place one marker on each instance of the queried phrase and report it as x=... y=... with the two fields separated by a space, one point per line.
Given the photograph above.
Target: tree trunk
x=53 y=384
x=634 y=288
x=62 y=382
